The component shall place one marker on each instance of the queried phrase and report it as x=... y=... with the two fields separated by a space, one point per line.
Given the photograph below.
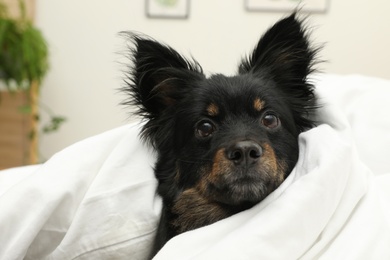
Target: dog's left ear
x=283 y=49
x=284 y=55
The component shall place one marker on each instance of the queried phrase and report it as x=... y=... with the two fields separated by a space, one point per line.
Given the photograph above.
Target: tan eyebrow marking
x=258 y=104
x=213 y=109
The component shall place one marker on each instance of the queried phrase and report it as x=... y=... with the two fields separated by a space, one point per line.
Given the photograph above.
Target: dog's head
x=232 y=140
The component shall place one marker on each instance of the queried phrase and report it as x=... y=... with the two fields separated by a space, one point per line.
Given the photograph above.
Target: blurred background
x=86 y=54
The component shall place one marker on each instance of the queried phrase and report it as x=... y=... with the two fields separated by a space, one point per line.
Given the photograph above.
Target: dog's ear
x=283 y=49
x=158 y=76
x=284 y=55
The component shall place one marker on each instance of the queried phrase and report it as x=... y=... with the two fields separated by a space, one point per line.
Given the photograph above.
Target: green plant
x=24 y=63
x=23 y=50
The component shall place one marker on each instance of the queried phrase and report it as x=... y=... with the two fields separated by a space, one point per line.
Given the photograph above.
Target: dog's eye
x=270 y=121
x=205 y=129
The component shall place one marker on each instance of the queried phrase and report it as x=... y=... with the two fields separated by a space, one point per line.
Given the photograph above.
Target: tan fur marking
x=258 y=104
x=213 y=109
x=220 y=165
x=269 y=161
x=193 y=207
x=194 y=211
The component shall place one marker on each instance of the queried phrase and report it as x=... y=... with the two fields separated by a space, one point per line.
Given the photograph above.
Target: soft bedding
x=96 y=199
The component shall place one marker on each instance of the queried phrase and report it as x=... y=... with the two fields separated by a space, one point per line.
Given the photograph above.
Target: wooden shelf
x=15 y=128
x=17 y=147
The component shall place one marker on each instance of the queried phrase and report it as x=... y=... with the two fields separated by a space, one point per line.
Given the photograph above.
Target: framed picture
x=178 y=9
x=318 y=6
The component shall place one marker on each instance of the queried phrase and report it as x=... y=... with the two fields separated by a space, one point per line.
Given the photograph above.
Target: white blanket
x=96 y=199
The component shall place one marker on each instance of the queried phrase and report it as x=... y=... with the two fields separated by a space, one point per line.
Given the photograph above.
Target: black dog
x=223 y=143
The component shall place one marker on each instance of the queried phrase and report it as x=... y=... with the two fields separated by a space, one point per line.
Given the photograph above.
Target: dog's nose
x=244 y=152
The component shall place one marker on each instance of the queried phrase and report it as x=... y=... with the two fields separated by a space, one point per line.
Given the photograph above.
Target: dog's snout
x=244 y=152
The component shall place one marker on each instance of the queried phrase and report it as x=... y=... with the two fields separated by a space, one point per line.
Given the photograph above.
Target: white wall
x=85 y=75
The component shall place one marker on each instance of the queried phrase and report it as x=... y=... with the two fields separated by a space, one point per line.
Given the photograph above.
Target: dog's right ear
x=158 y=76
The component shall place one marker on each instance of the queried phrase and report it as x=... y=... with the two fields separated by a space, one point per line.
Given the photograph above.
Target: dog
x=223 y=143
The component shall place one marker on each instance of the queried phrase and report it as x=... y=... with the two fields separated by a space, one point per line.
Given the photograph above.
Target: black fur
x=223 y=143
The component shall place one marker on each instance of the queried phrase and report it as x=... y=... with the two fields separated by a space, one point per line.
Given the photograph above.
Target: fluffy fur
x=223 y=143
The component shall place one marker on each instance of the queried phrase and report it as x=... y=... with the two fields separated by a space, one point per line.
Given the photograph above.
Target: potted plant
x=23 y=65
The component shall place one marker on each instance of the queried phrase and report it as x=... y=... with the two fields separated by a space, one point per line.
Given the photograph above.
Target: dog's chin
x=243 y=191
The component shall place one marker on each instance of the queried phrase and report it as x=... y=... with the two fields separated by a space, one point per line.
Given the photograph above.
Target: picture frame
x=169 y=9
x=312 y=6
